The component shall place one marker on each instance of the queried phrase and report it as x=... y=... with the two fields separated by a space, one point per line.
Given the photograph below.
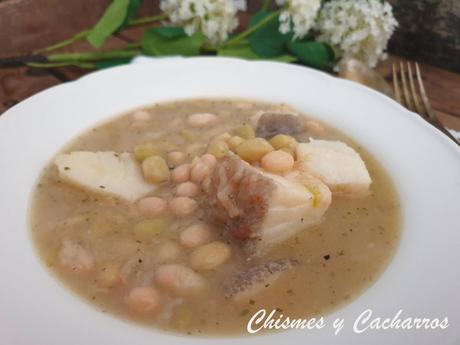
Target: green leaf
x=174 y=41
x=131 y=12
x=315 y=54
x=268 y=41
x=244 y=51
x=239 y=51
x=284 y=58
x=170 y=32
x=112 y=63
x=109 y=23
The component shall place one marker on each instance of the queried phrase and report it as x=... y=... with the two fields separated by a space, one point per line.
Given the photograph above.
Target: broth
x=339 y=257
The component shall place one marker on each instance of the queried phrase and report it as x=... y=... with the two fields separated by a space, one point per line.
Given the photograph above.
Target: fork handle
x=436 y=123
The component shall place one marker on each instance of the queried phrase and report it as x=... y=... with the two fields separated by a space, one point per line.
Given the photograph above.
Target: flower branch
x=238 y=38
x=84 y=34
x=315 y=33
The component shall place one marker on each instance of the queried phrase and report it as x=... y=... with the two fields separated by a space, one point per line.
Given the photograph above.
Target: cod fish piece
x=253 y=281
x=259 y=209
x=109 y=173
x=336 y=164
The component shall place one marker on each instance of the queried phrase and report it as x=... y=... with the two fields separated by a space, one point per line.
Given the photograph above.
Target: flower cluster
x=357 y=29
x=298 y=15
x=216 y=19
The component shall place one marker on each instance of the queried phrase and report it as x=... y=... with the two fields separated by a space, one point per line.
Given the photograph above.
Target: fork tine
x=396 y=86
x=405 y=88
x=418 y=105
x=425 y=100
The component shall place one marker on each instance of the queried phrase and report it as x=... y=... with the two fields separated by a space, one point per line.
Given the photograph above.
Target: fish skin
x=259 y=210
x=254 y=280
x=270 y=124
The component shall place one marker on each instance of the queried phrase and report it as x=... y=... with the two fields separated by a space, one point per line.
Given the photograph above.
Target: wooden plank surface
x=17 y=84
x=31 y=24
x=27 y=25
x=443 y=87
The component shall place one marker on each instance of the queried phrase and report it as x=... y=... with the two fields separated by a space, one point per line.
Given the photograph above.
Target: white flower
x=299 y=15
x=357 y=29
x=216 y=19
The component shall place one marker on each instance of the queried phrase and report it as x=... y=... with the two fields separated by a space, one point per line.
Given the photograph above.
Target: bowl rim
x=42 y=101
x=168 y=60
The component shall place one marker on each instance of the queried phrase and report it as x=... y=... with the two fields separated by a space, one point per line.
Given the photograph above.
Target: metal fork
x=413 y=95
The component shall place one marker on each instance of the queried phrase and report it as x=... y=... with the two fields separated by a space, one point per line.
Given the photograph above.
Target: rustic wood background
x=429 y=31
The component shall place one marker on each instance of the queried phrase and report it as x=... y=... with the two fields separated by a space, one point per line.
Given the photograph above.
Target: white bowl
x=423 y=279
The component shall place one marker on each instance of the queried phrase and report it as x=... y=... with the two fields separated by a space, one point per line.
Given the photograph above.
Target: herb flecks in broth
x=191 y=216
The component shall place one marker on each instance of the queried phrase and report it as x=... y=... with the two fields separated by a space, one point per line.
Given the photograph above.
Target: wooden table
x=16 y=84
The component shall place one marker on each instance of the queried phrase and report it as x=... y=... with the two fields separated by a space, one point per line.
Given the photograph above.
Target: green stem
x=251 y=30
x=85 y=65
x=92 y=56
x=84 y=34
x=266 y=5
x=208 y=49
x=133 y=45
x=147 y=20
x=77 y=37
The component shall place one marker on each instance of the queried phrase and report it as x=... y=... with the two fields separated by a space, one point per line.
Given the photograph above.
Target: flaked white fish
x=339 y=166
x=110 y=173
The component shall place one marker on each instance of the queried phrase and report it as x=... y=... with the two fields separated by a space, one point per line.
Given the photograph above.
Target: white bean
x=75 y=256
x=179 y=280
x=209 y=256
x=189 y=189
x=201 y=119
x=277 y=162
x=195 y=235
x=181 y=173
x=209 y=160
x=183 y=206
x=143 y=299
x=152 y=206
x=176 y=158
x=200 y=171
